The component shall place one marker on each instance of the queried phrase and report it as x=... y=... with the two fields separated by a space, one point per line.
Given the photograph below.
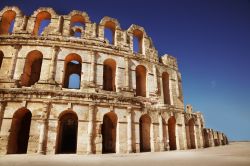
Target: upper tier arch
x=80 y=13
x=110 y=22
x=12 y=8
x=45 y=9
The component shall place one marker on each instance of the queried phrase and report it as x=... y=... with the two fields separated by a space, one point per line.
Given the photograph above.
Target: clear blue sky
x=210 y=39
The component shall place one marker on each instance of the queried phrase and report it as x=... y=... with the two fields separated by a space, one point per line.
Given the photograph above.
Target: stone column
x=53 y=63
x=13 y=61
x=161 y=141
x=129 y=130
x=2 y=109
x=155 y=79
x=127 y=73
x=195 y=136
x=92 y=70
x=152 y=140
x=184 y=136
x=91 y=128
x=43 y=129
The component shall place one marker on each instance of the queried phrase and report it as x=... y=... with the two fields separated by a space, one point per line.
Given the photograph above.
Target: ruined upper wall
x=63 y=27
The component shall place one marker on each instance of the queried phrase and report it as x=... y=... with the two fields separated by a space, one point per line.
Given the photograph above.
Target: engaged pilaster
x=161 y=137
x=13 y=61
x=91 y=128
x=92 y=70
x=43 y=129
x=2 y=109
x=127 y=73
x=53 y=64
x=129 y=129
x=155 y=79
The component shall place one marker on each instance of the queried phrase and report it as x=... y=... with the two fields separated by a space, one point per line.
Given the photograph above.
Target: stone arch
x=141 y=80
x=137 y=41
x=109 y=132
x=77 y=31
x=67 y=132
x=138 y=33
x=13 y=8
x=172 y=133
x=1 y=58
x=109 y=73
x=7 y=22
x=72 y=65
x=77 y=24
x=165 y=85
x=145 y=124
x=79 y=16
x=110 y=24
x=40 y=17
x=32 y=68
x=191 y=134
x=19 y=132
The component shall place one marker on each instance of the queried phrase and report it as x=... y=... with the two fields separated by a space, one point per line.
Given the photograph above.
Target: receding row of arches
x=42 y=20
x=73 y=69
x=77 y=26
x=66 y=141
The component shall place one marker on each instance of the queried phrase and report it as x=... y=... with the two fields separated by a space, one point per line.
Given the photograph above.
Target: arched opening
x=137 y=41
x=206 y=138
x=109 y=133
x=42 y=21
x=74 y=81
x=77 y=33
x=32 y=68
x=67 y=133
x=141 y=80
x=72 y=71
x=109 y=71
x=145 y=122
x=171 y=133
x=7 y=22
x=191 y=134
x=216 y=139
x=109 y=31
x=77 y=21
x=19 y=132
x=1 y=58
x=165 y=84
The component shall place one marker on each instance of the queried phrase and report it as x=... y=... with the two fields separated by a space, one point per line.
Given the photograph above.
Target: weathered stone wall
x=48 y=100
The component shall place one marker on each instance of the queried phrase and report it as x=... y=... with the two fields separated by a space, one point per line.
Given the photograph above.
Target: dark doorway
x=145 y=123
x=191 y=134
x=109 y=69
x=206 y=138
x=109 y=133
x=141 y=73
x=19 y=133
x=165 y=85
x=67 y=136
x=32 y=68
x=171 y=132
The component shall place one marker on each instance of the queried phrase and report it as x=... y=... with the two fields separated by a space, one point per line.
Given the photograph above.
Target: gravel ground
x=235 y=154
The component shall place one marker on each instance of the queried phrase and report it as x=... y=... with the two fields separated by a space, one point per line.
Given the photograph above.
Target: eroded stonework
x=69 y=88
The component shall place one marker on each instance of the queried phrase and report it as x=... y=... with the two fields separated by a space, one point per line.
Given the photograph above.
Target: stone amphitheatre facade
x=126 y=98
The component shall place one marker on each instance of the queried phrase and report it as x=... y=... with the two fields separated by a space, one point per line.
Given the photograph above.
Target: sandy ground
x=235 y=154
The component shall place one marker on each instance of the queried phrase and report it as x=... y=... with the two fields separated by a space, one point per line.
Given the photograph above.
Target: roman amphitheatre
x=127 y=98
